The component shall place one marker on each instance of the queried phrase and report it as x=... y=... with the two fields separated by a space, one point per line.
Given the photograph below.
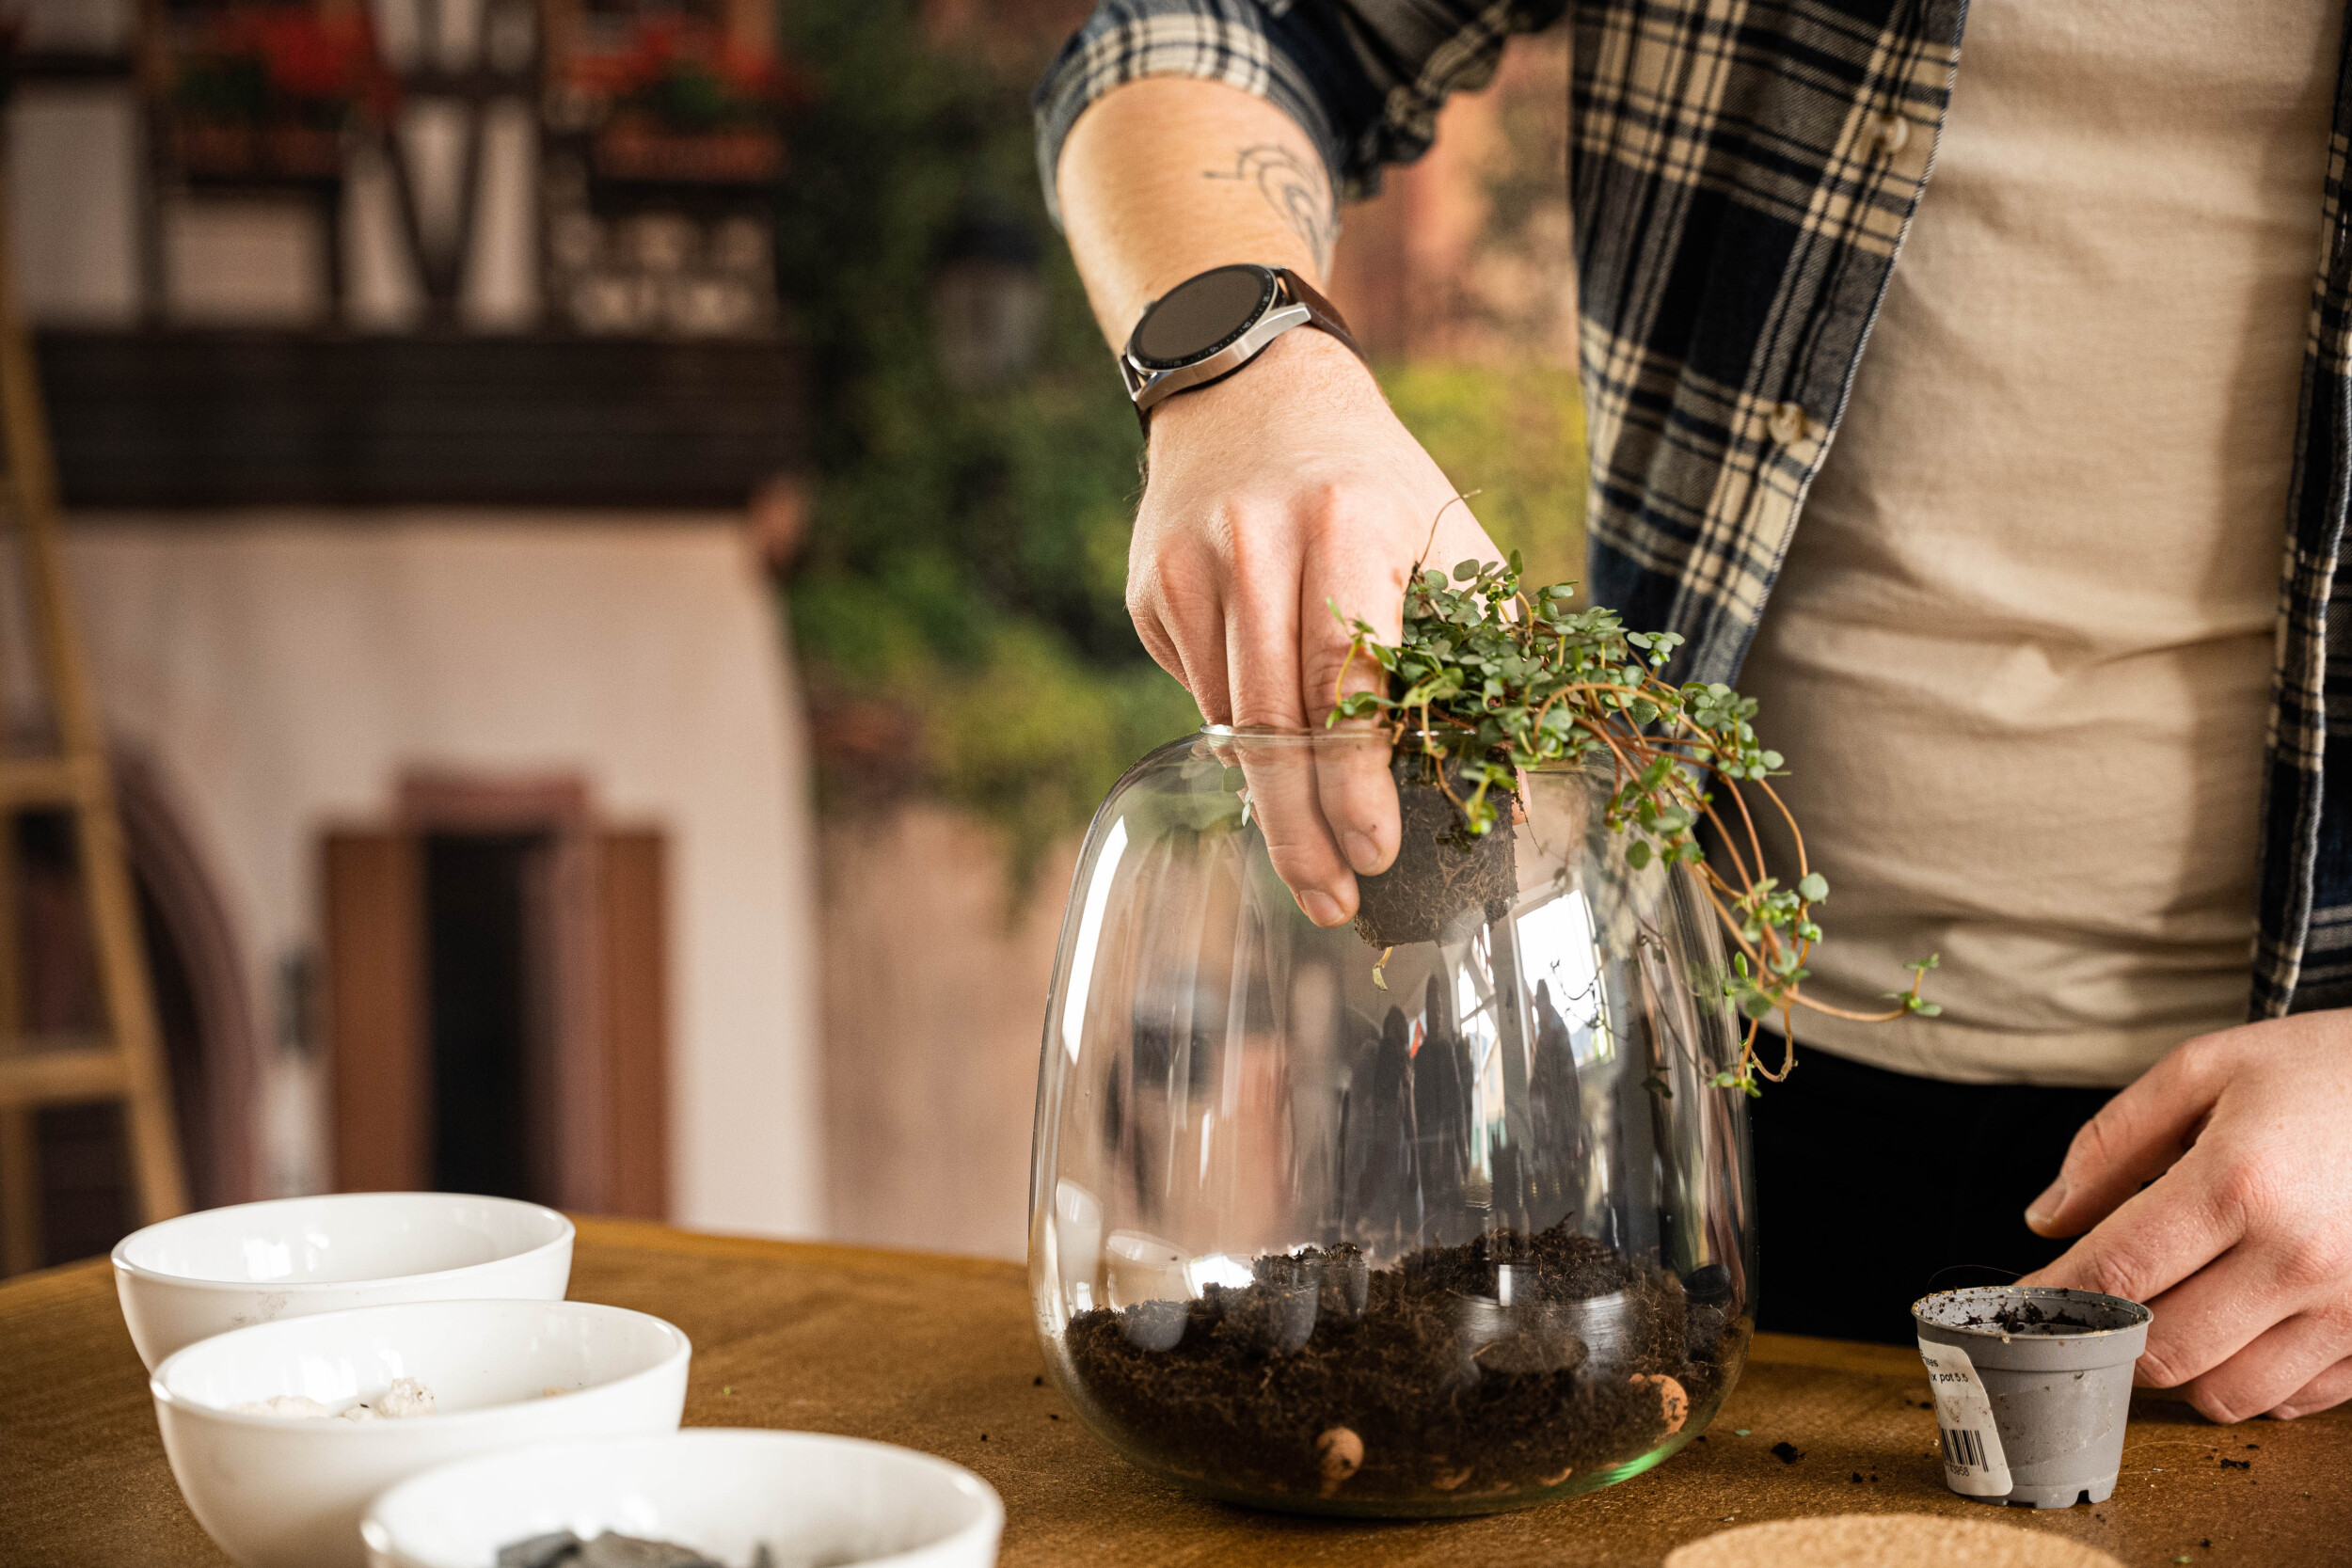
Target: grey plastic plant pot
x=2032 y=1414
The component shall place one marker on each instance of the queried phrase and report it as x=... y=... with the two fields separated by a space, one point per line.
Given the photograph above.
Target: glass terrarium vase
x=1436 y=1213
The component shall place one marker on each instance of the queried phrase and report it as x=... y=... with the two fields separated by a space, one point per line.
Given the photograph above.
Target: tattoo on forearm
x=1297 y=189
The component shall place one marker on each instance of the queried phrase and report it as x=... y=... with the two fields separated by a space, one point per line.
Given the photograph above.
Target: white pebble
x=406 y=1398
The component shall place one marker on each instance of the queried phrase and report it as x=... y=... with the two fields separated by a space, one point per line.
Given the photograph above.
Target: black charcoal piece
x=1709 y=1284
x=1532 y=1349
x=540 y=1551
x=610 y=1550
x=1702 y=1330
x=1283 y=1272
x=1344 y=1280
x=1155 y=1324
x=1266 y=1320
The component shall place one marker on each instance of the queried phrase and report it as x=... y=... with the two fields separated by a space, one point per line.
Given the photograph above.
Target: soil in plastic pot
x=1324 y=1381
x=1441 y=868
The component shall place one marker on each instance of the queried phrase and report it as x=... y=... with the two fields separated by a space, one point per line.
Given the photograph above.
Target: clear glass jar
x=1437 y=1214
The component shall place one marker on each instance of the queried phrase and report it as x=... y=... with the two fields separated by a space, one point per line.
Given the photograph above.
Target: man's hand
x=1275 y=494
x=2220 y=1189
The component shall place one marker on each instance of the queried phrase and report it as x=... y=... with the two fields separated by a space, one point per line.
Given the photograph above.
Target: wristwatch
x=1209 y=325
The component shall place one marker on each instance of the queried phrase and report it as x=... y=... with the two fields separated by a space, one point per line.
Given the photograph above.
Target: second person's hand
x=1275 y=494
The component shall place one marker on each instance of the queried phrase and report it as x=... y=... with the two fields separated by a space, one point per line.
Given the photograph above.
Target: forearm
x=1276 y=493
x=1167 y=177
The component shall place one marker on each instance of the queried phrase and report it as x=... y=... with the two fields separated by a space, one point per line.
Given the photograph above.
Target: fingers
x=1153 y=634
x=2281 y=1361
x=1357 y=795
x=1238 y=652
x=2134 y=1139
x=2243 y=1247
x=2324 y=1392
x=1182 y=627
x=1261 y=635
x=2214 y=1318
x=2158 y=1238
x=1283 y=798
x=1262 y=657
x=1354 y=788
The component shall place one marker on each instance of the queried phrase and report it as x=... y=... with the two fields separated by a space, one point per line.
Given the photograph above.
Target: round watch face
x=1200 y=316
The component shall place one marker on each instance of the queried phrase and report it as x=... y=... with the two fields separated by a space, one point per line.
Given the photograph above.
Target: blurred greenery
x=958 y=608
x=1515 y=434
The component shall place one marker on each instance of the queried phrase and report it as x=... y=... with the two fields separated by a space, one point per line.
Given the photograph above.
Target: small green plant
x=1487 y=680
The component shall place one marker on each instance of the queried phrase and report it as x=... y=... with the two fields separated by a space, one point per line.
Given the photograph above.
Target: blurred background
x=600 y=528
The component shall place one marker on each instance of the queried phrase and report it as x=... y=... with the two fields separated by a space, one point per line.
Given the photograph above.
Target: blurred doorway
x=495 y=998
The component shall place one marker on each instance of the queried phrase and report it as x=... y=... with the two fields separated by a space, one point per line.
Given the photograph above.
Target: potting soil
x=2028 y=1318
x=1505 y=1365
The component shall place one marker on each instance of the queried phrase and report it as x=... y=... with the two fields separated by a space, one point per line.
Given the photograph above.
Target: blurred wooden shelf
x=185 y=418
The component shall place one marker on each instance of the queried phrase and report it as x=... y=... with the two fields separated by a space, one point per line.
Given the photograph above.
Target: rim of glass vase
x=1356 y=731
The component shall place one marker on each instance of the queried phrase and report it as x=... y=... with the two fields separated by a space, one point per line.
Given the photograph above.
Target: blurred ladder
x=124 y=1063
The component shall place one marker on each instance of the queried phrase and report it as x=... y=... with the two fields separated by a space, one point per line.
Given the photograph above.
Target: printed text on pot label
x=1973 y=1462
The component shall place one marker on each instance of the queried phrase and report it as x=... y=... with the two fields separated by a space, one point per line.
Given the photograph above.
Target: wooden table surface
x=938 y=1353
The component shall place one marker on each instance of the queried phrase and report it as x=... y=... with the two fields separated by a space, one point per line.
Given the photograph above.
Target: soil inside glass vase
x=1507 y=1365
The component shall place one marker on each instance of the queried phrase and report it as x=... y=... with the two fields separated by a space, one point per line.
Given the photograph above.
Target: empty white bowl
x=277 y=1493
x=200 y=1275
x=808 y=1499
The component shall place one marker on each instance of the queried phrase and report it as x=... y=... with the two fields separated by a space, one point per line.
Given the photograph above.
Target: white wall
x=283 y=669
x=76 y=182
x=931 y=1077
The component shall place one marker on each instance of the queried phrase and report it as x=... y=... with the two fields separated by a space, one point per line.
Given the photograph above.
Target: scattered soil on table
x=1441 y=868
x=2028 y=1318
x=1507 y=1364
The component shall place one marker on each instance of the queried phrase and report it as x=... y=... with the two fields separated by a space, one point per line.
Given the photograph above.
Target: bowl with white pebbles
x=279 y=1435
x=185 y=1279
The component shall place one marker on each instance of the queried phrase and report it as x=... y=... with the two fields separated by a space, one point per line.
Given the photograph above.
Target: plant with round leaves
x=1487 y=680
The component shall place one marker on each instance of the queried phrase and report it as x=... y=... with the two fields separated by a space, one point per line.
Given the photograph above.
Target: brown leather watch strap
x=1320 y=311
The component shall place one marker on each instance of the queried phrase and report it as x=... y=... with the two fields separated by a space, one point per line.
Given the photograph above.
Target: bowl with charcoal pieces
x=706 y=1497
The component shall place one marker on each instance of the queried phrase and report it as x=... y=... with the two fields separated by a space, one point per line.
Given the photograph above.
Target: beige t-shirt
x=2019 y=656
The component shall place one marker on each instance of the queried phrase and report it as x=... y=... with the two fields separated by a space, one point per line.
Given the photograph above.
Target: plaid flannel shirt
x=1742 y=175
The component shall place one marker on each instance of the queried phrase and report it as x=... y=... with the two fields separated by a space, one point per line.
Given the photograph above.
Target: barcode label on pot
x=1973 y=1462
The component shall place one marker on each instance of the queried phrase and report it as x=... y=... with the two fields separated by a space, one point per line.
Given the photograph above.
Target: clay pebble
x=1339 y=1453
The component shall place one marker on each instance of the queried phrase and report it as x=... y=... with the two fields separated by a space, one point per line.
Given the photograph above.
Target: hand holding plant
x=1267 y=492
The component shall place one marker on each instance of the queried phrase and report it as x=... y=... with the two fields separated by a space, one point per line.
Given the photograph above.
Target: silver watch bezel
x=1147 y=388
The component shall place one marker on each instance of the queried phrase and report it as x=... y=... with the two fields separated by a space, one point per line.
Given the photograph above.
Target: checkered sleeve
x=1363 y=78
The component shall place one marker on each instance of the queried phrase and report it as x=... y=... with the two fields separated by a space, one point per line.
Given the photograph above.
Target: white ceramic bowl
x=201 y=1275
x=807 y=1497
x=288 y=1494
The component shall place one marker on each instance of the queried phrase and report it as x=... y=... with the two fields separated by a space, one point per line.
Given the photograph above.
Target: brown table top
x=938 y=1353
